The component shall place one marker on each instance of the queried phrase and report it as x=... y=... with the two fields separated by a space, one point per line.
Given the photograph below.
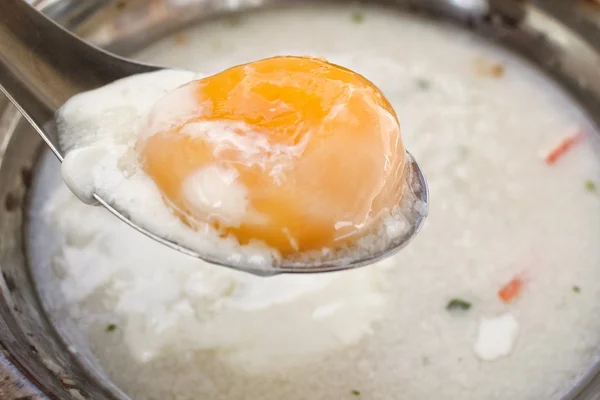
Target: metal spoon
x=42 y=66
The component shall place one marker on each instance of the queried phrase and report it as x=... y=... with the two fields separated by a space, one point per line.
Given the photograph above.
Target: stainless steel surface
x=562 y=37
x=42 y=65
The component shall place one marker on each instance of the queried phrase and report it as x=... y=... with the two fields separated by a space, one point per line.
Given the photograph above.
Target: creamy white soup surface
x=497 y=298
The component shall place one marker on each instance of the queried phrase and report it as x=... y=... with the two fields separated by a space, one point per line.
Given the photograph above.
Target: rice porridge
x=497 y=297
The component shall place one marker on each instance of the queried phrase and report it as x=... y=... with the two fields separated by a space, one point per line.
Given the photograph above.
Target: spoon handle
x=42 y=65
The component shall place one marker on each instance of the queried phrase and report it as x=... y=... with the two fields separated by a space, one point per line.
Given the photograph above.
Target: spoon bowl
x=42 y=66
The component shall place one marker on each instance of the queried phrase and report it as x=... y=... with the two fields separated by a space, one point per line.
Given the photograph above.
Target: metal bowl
x=561 y=37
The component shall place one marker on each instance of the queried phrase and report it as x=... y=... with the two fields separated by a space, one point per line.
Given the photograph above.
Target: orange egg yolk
x=313 y=148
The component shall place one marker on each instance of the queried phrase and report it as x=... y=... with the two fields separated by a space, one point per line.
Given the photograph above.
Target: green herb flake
x=355 y=392
x=458 y=304
x=358 y=17
x=111 y=328
x=590 y=186
x=576 y=289
x=235 y=20
x=423 y=84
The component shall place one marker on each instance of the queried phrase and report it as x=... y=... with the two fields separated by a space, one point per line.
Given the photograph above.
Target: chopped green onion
x=235 y=20
x=356 y=392
x=357 y=17
x=423 y=83
x=576 y=289
x=458 y=304
x=590 y=186
x=111 y=328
